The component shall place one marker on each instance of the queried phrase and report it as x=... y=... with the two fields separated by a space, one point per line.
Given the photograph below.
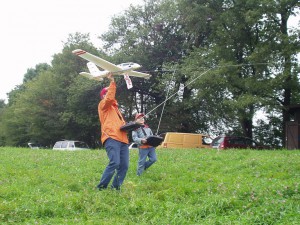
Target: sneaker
x=118 y=188
x=101 y=187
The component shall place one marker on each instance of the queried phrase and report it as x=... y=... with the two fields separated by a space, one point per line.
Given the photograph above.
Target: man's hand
x=110 y=77
x=144 y=141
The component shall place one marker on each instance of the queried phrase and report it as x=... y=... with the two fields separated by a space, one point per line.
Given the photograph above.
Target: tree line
x=218 y=64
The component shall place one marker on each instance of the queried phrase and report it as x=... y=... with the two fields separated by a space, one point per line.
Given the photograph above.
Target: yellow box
x=185 y=140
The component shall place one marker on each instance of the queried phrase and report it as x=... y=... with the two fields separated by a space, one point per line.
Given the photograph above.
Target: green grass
x=187 y=186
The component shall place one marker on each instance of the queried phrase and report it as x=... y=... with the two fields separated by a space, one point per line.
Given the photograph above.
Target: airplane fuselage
x=129 y=66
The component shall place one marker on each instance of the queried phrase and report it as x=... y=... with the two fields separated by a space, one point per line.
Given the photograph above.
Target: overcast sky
x=32 y=31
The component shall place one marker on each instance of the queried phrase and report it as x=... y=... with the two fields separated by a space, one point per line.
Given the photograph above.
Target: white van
x=70 y=145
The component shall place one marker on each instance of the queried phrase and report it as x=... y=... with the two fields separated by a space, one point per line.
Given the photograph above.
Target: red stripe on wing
x=80 y=52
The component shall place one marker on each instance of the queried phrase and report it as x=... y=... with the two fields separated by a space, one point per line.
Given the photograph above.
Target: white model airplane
x=125 y=68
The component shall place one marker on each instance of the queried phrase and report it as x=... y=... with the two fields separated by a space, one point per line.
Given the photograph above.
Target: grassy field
x=187 y=186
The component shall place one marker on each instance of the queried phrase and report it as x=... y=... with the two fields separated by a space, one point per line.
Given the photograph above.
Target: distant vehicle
x=33 y=146
x=227 y=142
x=70 y=145
x=133 y=146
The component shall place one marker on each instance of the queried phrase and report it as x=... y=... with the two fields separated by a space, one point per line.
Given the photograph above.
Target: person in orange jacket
x=114 y=140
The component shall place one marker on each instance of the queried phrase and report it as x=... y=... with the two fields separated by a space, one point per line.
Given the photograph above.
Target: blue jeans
x=142 y=163
x=118 y=155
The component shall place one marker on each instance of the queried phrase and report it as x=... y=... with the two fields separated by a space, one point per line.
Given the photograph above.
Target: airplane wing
x=91 y=77
x=97 y=60
x=138 y=74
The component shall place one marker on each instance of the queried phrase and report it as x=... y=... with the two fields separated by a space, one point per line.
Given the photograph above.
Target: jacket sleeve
x=151 y=133
x=135 y=137
x=110 y=96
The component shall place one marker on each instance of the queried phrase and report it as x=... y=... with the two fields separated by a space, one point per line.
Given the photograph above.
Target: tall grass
x=185 y=186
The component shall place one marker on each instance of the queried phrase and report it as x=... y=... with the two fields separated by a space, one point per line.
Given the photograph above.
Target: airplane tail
x=95 y=71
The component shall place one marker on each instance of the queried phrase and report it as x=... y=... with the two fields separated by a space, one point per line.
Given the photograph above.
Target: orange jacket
x=110 y=117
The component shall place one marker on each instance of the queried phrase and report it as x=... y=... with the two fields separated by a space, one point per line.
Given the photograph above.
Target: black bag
x=154 y=140
x=130 y=126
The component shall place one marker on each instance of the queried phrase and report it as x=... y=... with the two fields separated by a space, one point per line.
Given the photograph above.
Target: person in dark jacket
x=147 y=154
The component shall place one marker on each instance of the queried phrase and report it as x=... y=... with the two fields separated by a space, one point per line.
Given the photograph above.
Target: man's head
x=139 y=117
x=103 y=92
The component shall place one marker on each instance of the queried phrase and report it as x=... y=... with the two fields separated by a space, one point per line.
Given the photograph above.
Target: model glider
x=127 y=69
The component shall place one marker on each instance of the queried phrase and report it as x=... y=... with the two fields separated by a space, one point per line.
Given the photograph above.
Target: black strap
x=144 y=132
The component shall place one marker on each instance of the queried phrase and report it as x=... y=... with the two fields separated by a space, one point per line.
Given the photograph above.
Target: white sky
x=32 y=31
